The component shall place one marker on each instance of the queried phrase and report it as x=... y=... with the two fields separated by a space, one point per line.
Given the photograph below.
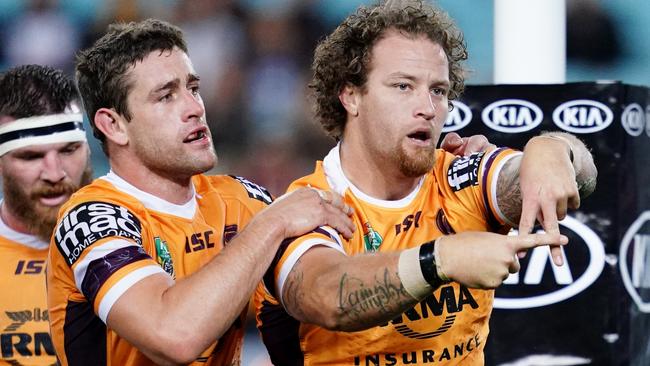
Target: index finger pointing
x=528 y=241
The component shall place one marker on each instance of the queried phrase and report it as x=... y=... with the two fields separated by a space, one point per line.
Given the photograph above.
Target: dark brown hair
x=102 y=70
x=35 y=90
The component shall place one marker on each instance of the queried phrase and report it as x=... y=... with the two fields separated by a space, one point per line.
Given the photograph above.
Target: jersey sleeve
x=102 y=244
x=291 y=250
x=471 y=183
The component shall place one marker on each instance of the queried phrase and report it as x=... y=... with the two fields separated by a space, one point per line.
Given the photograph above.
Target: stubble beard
x=176 y=165
x=39 y=219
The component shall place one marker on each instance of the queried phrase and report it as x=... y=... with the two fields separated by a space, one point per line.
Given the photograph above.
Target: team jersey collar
x=339 y=182
x=152 y=202
x=27 y=240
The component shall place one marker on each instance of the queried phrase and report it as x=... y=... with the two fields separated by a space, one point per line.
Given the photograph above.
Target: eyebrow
x=173 y=84
x=170 y=85
x=193 y=77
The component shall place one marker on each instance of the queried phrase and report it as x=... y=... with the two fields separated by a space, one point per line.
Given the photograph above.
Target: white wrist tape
x=410 y=274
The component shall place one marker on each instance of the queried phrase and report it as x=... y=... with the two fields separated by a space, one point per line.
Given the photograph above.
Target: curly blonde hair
x=343 y=58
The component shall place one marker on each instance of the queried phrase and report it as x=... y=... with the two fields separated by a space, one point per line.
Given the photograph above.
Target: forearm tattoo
x=363 y=304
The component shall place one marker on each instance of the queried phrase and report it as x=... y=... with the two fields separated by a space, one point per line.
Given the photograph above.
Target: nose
x=52 y=170
x=194 y=108
x=425 y=108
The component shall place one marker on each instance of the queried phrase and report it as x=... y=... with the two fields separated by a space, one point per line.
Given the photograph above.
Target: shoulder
x=317 y=179
x=231 y=187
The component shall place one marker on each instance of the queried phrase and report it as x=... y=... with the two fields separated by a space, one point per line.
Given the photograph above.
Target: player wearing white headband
x=43 y=160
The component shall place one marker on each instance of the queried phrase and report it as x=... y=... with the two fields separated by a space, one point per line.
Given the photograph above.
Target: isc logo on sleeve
x=91 y=221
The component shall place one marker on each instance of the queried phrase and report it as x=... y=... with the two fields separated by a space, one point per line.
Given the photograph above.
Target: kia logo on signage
x=647 y=120
x=633 y=119
x=459 y=117
x=512 y=115
x=582 y=116
x=541 y=283
x=634 y=261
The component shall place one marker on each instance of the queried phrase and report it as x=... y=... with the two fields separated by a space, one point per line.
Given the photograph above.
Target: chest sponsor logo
x=20 y=317
x=582 y=116
x=634 y=261
x=416 y=323
x=459 y=117
x=425 y=356
x=540 y=283
x=463 y=171
x=633 y=119
x=91 y=221
x=15 y=344
x=512 y=116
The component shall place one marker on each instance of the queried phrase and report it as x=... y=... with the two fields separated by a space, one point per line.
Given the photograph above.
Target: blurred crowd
x=253 y=57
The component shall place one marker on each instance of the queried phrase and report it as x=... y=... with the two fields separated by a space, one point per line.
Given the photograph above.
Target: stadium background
x=253 y=57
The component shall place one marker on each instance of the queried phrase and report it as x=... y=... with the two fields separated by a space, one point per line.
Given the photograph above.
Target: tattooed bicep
x=509 y=191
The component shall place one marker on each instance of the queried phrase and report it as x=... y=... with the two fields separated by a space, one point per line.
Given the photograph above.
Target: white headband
x=49 y=129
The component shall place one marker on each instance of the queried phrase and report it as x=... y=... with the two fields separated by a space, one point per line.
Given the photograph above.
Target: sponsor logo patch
x=164 y=257
x=254 y=190
x=459 y=117
x=90 y=221
x=371 y=238
x=633 y=119
x=512 y=116
x=463 y=171
x=583 y=116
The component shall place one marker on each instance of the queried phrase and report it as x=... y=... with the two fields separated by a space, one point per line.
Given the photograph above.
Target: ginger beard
x=39 y=219
x=417 y=163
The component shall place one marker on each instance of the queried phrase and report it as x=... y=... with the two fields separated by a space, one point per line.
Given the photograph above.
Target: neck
x=177 y=190
x=373 y=175
x=11 y=220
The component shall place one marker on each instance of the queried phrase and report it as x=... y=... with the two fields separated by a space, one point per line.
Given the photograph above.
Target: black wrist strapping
x=428 y=264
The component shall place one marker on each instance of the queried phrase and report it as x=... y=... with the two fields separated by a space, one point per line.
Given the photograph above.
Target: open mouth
x=422 y=136
x=198 y=135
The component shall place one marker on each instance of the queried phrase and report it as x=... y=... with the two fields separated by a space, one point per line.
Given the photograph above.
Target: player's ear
x=112 y=125
x=349 y=97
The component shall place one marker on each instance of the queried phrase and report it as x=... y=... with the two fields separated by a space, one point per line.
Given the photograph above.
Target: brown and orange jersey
x=24 y=329
x=451 y=326
x=111 y=235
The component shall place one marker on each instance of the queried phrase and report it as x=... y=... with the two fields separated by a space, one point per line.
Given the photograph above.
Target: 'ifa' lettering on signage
x=91 y=221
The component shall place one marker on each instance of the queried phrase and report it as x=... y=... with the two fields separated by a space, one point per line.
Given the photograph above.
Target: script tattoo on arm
x=508 y=190
x=365 y=304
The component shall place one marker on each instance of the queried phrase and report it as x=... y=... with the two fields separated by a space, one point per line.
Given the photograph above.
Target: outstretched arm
x=554 y=173
x=351 y=293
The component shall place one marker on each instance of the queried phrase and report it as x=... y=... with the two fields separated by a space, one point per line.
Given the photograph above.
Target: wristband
x=410 y=274
x=436 y=258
